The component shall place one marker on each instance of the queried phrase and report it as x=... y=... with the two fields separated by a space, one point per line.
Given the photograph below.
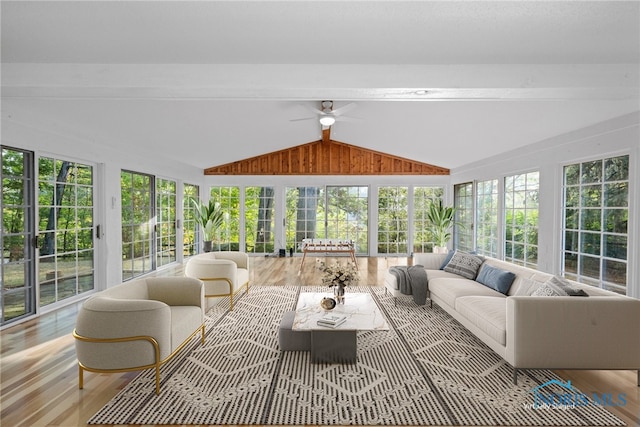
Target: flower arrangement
x=339 y=274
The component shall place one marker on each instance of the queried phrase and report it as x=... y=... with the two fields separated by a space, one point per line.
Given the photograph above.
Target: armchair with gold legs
x=138 y=325
x=224 y=273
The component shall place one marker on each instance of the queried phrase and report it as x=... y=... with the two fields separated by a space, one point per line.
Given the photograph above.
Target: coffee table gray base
x=289 y=339
x=333 y=346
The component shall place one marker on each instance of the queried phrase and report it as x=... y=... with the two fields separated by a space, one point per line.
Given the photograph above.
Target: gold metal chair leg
x=80 y=377
x=157 y=378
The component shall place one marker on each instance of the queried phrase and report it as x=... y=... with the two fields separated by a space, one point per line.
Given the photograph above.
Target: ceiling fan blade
x=349 y=119
x=312 y=109
x=350 y=106
x=302 y=119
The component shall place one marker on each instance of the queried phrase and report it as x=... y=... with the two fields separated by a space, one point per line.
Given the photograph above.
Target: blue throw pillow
x=447 y=259
x=495 y=278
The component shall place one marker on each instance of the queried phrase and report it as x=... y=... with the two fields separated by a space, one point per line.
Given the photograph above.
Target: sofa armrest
x=176 y=290
x=573 y=332
x=240 y=258
x=429 y=260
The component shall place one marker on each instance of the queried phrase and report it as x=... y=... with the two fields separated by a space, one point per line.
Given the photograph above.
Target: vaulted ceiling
x=208 y=83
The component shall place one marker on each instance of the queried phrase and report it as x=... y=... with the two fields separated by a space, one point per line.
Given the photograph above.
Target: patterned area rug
x=426 y=370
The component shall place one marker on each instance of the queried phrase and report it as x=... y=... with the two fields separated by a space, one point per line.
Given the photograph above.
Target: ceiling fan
x=327 y=116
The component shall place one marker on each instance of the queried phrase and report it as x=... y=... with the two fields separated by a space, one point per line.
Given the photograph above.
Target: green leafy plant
x=441 y=220
x=209 y=216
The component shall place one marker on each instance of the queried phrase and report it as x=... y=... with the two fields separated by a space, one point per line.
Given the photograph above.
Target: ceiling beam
x=319 y=81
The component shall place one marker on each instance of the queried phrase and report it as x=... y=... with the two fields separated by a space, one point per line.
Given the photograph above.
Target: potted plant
x=209 y=217
x=441 y=220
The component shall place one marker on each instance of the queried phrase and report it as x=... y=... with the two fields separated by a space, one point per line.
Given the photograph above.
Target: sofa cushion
x=447 y=259
x=496 y=278
x=448 y=290
x=435 y=274
x=558 y=286
x=489 y=314
x=464 y=264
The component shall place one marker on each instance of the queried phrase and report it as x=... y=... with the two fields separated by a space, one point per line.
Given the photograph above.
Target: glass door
x=335 y=212
x=347 y=215
x=17 y=269
x=66 y=226
x=137 y=193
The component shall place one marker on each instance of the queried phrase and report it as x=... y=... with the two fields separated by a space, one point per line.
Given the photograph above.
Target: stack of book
x=332 y=320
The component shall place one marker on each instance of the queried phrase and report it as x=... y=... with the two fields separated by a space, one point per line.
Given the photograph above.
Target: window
x=17 y=269
x=596 y=213
x=347 y=215
x=165 y=222
x=66 y=212
x=228 y=236
x=422 y=198
x=259 y=219
x=521 y=219
x=334 y=212
x=487 y=218
x=137 y=224
x=463 y=230
x=301 y=216
x=190 y=230
x=393 y=222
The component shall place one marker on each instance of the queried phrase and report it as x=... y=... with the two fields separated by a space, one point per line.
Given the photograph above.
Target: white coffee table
x=339 y=345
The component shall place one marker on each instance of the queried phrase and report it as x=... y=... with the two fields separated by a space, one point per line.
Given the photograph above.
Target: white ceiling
x=206 y=83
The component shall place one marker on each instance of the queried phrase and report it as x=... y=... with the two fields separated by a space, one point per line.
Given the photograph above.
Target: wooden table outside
x=328 y=246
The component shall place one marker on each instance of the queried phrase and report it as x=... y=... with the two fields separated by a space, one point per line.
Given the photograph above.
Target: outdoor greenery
x=190 y=230
x=596 y=217
x=393 y=220
x=339 y=213
x=137 y=202
x=259 y=213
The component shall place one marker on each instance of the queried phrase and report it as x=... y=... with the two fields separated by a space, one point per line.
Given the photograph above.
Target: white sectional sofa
x=598 y=331
x=140 y=324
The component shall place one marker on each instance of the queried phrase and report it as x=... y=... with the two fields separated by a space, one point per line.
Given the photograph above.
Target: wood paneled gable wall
x=326 y=157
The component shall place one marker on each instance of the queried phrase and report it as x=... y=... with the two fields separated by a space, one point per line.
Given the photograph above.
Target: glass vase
x=338 y=293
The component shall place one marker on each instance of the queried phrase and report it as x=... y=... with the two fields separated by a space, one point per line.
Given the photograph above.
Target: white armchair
x=140 y=324
x=223 y=273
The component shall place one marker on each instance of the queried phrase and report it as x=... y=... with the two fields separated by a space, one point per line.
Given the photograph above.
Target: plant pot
x=440 y=250
x=206 y=246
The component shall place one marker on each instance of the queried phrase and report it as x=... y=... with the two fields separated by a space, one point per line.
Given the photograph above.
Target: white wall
x=611 y=138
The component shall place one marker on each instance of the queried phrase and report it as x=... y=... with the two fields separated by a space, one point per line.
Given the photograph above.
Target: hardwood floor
x=39 y=373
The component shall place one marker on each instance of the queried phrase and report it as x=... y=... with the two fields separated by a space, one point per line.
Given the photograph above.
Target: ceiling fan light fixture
x=327 y=120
